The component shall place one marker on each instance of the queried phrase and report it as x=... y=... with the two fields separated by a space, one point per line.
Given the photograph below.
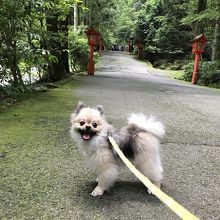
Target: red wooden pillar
x=196 y=68
x=198 y=45
x=91 y=65
x=92 y=35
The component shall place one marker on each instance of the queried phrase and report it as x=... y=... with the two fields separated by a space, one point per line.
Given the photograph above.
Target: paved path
x=190 y=151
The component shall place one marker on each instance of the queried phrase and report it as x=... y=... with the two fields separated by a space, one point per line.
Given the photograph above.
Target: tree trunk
x=71 y=16
x=44 y=45
x=216 y=42
x=15 y=70
x=56 y=47
x=76 y=16
x=90 y=13
x=85 y=20
x=65 y=45
x=201 y=6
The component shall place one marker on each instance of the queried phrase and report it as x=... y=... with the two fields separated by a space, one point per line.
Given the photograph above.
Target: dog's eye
x=94 y=124
x=81 y=123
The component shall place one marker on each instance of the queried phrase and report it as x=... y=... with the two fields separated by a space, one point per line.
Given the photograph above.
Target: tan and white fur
x=139 y=141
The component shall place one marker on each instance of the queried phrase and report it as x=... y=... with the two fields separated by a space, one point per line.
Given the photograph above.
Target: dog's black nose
x=88 y=128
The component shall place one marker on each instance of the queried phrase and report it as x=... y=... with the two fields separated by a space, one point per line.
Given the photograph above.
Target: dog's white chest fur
x=98 y=154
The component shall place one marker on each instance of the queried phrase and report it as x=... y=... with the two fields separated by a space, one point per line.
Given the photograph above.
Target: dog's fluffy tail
x=150 y=124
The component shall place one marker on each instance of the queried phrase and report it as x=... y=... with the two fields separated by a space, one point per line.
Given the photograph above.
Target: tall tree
x=12 y=25
x=76 y=16
x=56 y=47
x=216 y=42
x=57 y=27
x=206 y=21
x=201 y=7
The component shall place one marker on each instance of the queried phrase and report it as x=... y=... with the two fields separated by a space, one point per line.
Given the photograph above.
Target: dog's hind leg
x=147 y=159
x=153 y=170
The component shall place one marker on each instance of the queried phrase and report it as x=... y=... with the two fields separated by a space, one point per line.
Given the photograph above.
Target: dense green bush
x=164 y=59
x=209 y=74
x=13 y=90
x=79 y=55
x=79 y=51
x=188 y=70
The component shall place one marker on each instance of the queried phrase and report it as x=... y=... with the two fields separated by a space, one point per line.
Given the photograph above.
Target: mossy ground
x=176 y=74
x=38 y=173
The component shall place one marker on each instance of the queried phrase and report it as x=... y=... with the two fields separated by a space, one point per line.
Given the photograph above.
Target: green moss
x=38 y=170
x=176 y=74
x=3 y=151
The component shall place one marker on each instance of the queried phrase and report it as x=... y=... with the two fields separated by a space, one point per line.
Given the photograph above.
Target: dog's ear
x=100 y=109
x=80 y=106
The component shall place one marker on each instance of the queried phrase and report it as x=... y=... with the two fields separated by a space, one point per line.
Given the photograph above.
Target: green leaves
x=209 y=15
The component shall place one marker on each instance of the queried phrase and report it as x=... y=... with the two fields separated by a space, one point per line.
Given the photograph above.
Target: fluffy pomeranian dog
x=139 y=141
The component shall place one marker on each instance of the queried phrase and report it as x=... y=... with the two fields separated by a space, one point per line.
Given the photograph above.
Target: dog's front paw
x=98 y=191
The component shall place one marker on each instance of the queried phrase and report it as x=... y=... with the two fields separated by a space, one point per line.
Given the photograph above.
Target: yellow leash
x=172 y=204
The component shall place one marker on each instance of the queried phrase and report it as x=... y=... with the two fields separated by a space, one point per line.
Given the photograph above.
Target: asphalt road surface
x=190 y=150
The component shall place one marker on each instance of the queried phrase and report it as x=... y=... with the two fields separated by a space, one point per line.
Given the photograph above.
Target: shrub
x=13 y=90
x=188 y=70
x=79 y=54
x=150 y=54
x=164 y=59
x=79 y=51
x=161 y=64
x=209 y=74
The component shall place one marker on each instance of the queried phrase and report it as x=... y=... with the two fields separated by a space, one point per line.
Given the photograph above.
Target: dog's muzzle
x=87 y=134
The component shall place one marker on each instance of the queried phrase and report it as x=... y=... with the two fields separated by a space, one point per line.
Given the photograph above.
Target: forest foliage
x=166 y=29
x=45 y=40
